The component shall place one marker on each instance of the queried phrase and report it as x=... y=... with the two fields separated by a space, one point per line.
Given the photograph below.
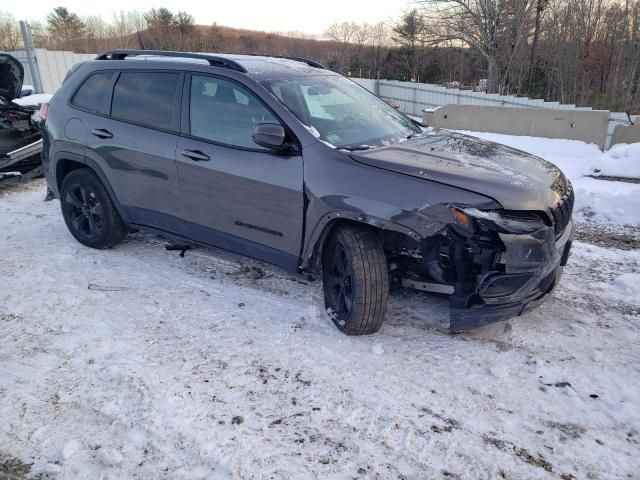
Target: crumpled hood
x=517 y=180
x=11 y=77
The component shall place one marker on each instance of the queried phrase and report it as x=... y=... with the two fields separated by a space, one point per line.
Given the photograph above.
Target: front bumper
x=521 y=278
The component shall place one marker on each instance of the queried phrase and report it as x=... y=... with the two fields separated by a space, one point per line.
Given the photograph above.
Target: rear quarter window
x=93 y=95
x=147 y=98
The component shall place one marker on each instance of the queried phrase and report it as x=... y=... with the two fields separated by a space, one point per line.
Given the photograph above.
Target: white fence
x=52 y=66
x=413 y=98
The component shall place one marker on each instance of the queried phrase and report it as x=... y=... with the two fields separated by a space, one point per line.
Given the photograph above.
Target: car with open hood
x=285 y=161
x=20 y=138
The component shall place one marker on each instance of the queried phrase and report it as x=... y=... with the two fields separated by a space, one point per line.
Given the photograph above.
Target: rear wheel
x=89 y=212
x=356 y=281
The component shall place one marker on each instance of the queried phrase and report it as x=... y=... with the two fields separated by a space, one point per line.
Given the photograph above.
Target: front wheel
x=356 y=280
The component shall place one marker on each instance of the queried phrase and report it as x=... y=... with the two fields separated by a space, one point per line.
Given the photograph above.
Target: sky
x=309 y=16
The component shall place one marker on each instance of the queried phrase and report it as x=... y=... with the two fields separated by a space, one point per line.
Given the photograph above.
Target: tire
x=89 y=212
x=355 y=279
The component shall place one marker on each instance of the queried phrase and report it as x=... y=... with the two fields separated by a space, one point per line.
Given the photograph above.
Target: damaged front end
x=495 y=264
x=20 y=143
x=20 y=136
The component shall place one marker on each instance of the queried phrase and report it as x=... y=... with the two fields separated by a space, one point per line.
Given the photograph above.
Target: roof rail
x=311 y=63
x=214 y=60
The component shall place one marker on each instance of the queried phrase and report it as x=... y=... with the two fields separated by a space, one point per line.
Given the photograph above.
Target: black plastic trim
x=174 y=227
x=214 y=60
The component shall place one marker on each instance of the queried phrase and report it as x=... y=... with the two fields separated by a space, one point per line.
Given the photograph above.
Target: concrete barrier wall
x=588 y=126
x=413 y=98
x=626 y=134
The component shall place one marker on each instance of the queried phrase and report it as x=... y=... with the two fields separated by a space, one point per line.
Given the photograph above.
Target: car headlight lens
x=506 y=221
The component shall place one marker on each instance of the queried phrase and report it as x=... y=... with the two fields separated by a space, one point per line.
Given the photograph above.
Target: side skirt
x=175 y=228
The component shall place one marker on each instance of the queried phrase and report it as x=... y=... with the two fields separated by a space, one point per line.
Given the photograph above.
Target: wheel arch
x=312 y=258
x=67 y=163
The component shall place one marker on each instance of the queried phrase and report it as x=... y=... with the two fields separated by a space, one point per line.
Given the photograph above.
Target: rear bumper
x=525 y=274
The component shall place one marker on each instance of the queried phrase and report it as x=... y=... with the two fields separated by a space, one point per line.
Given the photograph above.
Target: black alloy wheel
x=88 y=210
x=85 y=212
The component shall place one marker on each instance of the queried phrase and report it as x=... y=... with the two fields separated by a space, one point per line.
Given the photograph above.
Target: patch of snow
x=70 y=449
x=603 y=201
x=49 y=469
x=377 y=349
x=622 y=160
x=499 y=371
x=110 y=457
x=34 y=100
x=625 y=286
x=628 y=284
x=313 y=130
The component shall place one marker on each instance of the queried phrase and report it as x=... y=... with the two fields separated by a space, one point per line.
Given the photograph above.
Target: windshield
x=341 y=113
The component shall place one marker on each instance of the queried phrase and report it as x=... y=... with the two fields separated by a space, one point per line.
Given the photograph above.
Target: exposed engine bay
x=492 y=264
x=20 y=137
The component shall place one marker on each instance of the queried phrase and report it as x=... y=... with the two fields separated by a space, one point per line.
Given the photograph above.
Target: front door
x=236 y=194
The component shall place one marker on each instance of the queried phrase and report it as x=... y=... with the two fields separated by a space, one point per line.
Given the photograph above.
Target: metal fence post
x=31 y=56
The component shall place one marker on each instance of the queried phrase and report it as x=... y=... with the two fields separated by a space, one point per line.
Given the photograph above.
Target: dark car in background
x=285 y=161
x=20 y=137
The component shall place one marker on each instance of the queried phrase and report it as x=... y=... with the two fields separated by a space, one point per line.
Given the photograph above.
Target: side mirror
x=269 y=135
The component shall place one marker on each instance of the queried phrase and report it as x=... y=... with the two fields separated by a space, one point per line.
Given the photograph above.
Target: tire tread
x=371 y=279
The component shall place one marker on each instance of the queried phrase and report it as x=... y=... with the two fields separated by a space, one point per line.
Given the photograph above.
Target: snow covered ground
x=136 y=363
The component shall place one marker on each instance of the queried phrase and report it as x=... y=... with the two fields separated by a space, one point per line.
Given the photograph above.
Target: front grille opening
x=561 y=213
x=526 y=216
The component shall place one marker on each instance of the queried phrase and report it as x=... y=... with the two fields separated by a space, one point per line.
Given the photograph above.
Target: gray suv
x=285 y=161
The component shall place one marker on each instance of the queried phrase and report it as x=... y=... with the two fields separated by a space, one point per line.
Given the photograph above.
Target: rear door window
x=225 y=112
x=93 y=95
x=147 y=98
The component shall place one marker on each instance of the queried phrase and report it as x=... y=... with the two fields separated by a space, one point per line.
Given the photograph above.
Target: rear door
x=133 y=140
x=237 y=195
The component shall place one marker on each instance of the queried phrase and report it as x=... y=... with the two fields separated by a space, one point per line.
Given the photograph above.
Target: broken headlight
x=504 y=221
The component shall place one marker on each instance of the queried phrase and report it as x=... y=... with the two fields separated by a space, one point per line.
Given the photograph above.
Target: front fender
x=339 y=188
x=322 y=228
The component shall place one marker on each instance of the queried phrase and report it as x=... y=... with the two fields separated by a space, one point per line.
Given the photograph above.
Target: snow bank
x=621 y=160
x=603 y=201
x=598 y=201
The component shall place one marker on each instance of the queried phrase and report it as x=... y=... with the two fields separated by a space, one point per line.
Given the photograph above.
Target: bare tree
x=540 y=7
x=127 y=23
x=380 y=38
x=10 y=38
x=478 y=24
x=344 y=35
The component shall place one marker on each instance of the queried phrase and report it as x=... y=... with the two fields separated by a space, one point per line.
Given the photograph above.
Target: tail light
x=44 y=110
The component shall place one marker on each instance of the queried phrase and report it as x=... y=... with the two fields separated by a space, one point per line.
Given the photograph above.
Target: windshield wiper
x=413 y=134
x=355 y=148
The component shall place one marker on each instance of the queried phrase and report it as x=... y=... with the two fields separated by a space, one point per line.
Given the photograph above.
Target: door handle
x=196 y=155
x=101 y=133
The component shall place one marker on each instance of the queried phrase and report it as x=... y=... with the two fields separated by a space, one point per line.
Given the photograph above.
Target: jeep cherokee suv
x=285 y=161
